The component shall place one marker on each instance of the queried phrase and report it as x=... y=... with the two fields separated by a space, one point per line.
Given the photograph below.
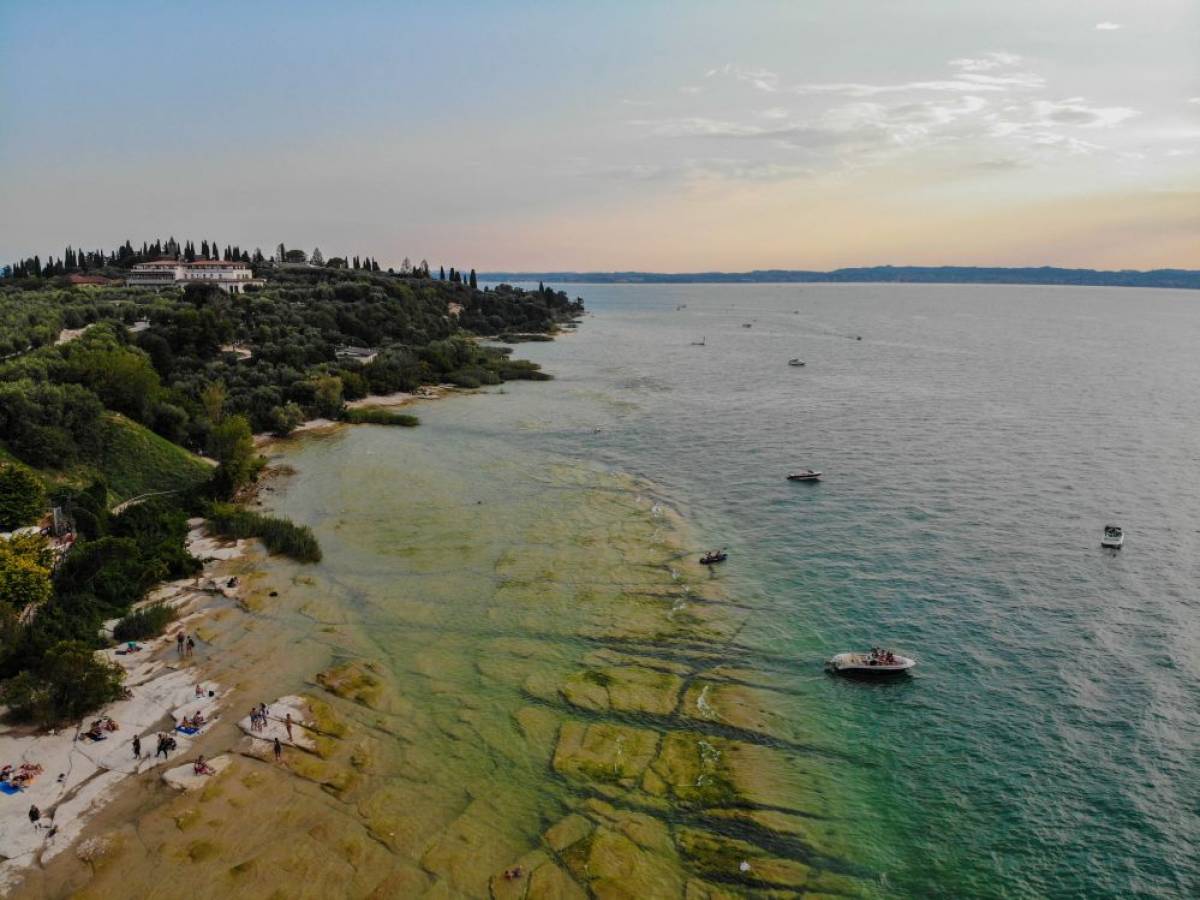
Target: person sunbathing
x=201 y=767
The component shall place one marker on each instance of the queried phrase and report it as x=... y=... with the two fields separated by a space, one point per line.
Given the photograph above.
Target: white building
x=228 y=276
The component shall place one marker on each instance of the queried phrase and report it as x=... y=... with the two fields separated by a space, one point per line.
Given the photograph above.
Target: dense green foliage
x=279 y=535
x=22 y=499
x=147 y=378
x=376 y=415
x=68 y=682
x=147 y=622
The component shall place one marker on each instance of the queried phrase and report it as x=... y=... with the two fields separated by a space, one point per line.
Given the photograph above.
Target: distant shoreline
x=1044 y=275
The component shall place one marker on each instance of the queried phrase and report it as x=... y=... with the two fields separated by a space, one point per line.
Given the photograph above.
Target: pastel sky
x=668 y=136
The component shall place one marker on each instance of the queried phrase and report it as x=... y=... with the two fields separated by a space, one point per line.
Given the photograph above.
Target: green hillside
x=133 y=460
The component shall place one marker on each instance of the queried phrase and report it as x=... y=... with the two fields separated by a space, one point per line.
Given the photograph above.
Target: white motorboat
x=876 y=662
x=1113 y=538
x=795 y=361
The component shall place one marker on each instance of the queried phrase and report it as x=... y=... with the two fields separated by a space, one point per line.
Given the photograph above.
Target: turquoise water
x=974 y=443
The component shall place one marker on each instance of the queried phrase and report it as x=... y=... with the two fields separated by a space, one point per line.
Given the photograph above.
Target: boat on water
x=804 y=475
x=747 y=325
x=712 y=557
x=1113 y=537
x=875 y=663
x=699 y=343
x=795 y=361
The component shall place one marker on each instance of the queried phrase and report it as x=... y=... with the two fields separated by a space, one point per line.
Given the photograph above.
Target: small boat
x=1113 y=538
x=876 y=663
x=747 y=325
x=713 y=557
x=699 y=343
x=804 y=475
x=795 y=361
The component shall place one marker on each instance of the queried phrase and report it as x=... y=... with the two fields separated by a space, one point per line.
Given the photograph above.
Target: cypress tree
x=474 y=283
x=441 y=273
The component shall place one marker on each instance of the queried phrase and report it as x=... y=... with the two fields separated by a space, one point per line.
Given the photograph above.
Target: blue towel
x=187 y=730
x=10 y=788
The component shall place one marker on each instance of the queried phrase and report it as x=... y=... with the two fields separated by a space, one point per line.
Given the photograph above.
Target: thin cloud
x=1108 y=26
x=997 y=59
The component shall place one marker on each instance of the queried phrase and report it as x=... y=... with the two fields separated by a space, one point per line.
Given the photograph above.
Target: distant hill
x=1161 y=278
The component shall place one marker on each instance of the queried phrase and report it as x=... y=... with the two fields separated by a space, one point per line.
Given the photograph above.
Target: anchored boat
x=795 y=361
x=875 y=663
x=1113 y=538
x=804 y=475
x=713 y=557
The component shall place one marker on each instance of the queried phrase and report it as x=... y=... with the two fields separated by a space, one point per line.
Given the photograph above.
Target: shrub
x=147 y=622
x=279 y=535
x=69 y=682
x=22 y=499
x=376 y=415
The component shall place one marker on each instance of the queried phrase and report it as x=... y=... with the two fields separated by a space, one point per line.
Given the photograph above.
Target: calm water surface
x=974 y=443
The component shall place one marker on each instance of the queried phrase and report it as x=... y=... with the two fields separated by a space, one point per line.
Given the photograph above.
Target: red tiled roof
x=89 y=279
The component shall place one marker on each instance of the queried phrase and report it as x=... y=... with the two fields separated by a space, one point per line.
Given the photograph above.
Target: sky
x=572 y=135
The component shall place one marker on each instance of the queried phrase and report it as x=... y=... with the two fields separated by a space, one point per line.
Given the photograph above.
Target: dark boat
x=713 y=557
x=804 y=475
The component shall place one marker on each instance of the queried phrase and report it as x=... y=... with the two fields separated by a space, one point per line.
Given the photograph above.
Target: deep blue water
x=975 y=441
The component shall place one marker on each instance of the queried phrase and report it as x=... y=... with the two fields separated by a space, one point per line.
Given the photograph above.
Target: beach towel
x=182 y=729
x=10 y=788
x=103 y=737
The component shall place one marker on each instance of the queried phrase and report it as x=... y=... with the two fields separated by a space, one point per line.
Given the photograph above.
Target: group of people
x=185 y=644
x=101 y=728
x=166 y=744
x=21 y=776
x=881 y=657
x=259 y=716
x=195 y=723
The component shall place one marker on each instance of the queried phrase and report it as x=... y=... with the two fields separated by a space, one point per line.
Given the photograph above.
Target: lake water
x=974 y=442
x=519 y=662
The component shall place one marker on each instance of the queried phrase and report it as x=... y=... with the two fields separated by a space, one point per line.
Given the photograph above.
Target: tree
x=25 y=563
x=441 y=273
x=327 y=396
x=69 y=682
x=406 y=267
x=295 y=256
x=22 y=500
x=212 y=398
x=280 y=252
x=316 y=258
x=474 y=283
x=231 y=444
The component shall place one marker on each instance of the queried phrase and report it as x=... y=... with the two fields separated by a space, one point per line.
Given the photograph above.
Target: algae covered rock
x=603 y=752
x=624 y=689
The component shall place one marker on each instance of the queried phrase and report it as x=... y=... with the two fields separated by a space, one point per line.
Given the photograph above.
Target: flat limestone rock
x=747 y=708
x=614 y=866
x=602 y=752
x=567 y=831
x=276 y=726
x=184 y=778
x=716 y=856
x=474 y=846
x=625 y=689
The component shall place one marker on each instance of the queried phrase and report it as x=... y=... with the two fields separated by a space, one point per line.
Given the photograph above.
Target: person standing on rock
x=162 y=747
x=179 y=642
x=278 y=751
x=191 y=646
x=137 y=747
x=35 y=816
x=288 y=725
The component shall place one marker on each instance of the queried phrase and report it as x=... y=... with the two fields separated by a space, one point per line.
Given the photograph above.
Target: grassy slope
x=134 y=461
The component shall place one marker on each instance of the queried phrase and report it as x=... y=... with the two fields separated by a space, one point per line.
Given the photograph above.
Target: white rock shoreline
x=79 y=775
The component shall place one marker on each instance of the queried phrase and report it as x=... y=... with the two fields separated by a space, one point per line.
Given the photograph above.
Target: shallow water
x=523 y=663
